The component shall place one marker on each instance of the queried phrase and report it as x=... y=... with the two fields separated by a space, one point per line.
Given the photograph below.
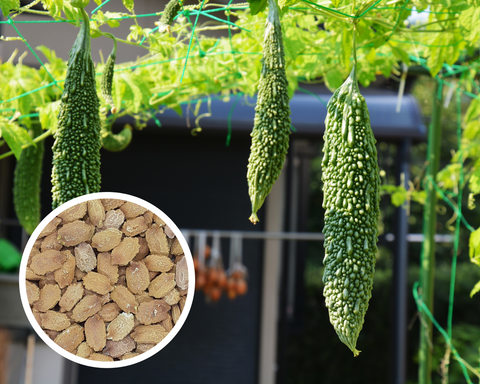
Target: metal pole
x=429 y=224
x=400 y=275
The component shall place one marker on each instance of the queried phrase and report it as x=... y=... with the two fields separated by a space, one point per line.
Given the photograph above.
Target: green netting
x=307 y=7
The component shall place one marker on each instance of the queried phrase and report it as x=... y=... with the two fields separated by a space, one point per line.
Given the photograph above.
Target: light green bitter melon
x=26 y=183
x=171 y=10
x=106 y=82
x=76 y=150
x=351 y=202
x=271 y=128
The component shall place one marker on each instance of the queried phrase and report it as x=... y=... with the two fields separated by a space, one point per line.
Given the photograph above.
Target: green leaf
x=10 y=257
x=475 y=289
x=128 y=4
x=15 y=136
x=400 y=54
x=257 y=6
x=399 y=197
x=333 y=79
x=474 y=247
x=7 y=5
x=48 y=116
x=336 y=3
x=473 y=110
x=287 y=3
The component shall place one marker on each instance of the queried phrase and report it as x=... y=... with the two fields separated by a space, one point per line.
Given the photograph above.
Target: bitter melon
x=115 y=142
x=271 y=128
x=171 y=10
x=106 y=82
x=351 y=201
x=26 y=183
x=76 y=150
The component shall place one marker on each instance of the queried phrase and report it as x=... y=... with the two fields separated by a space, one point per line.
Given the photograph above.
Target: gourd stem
x=355 y=51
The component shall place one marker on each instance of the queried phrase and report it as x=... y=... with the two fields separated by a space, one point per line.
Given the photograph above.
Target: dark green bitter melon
x=26 y=183
x=76 y=150
x=351 y=201
x=271 y=130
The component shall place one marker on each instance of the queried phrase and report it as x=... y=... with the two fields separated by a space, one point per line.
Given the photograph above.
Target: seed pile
x=107 y=280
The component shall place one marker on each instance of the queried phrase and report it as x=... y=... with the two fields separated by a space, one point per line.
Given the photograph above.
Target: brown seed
x=167 y=323
x=182 y=302
x=169 y=232
x=181 y=273
x=176 y=248
x=132 y=210
x=124 y=299
x=75 y=233
x=133 y=227
x=86 y=307
x=54 y=321
x=96 y=212
x=176 y=313
x=79 y=274
x=141 y=348
x=156 y=263
x=152 y=312
x=85 y=257
x=126 y=251
x=51 y=334
x=95 y=332
x=47 y=261
x=157 y=241
x=106 y=268
x=109 y=312
x=120 y=327
x=148 y=217
x=149 y=334
x=74 y=213
x=106 y=240
x=161 y=285
x=111 y=203
x=71 y=297
x=158 y=221
x=64 y=275
x=97 y=282
x=99 y=357
x=30 y=275
x=33 y=292
x=143 y=297
x=84 y=350
x=172 y=297
x=129 y=355
x=49 y=297
x=118 y=348
x=70 y=338
x=51 y=243
x=50 y=227
x=137 y=277
x=114 y=219
x=143 y=251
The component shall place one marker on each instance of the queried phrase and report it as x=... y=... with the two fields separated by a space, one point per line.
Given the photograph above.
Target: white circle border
x=106 y=364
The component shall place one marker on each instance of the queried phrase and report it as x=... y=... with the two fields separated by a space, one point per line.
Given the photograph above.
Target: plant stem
x=36 y=140
x=428 y=250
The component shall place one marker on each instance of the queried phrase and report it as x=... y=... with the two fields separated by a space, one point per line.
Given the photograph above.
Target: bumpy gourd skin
x=171 y=10
x=271 y=128
x=351 y=202
x=106 y=82
x=26 y=183
x=76 y=151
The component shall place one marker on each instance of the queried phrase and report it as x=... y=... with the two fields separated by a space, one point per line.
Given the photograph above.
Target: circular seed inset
x=107 y=280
